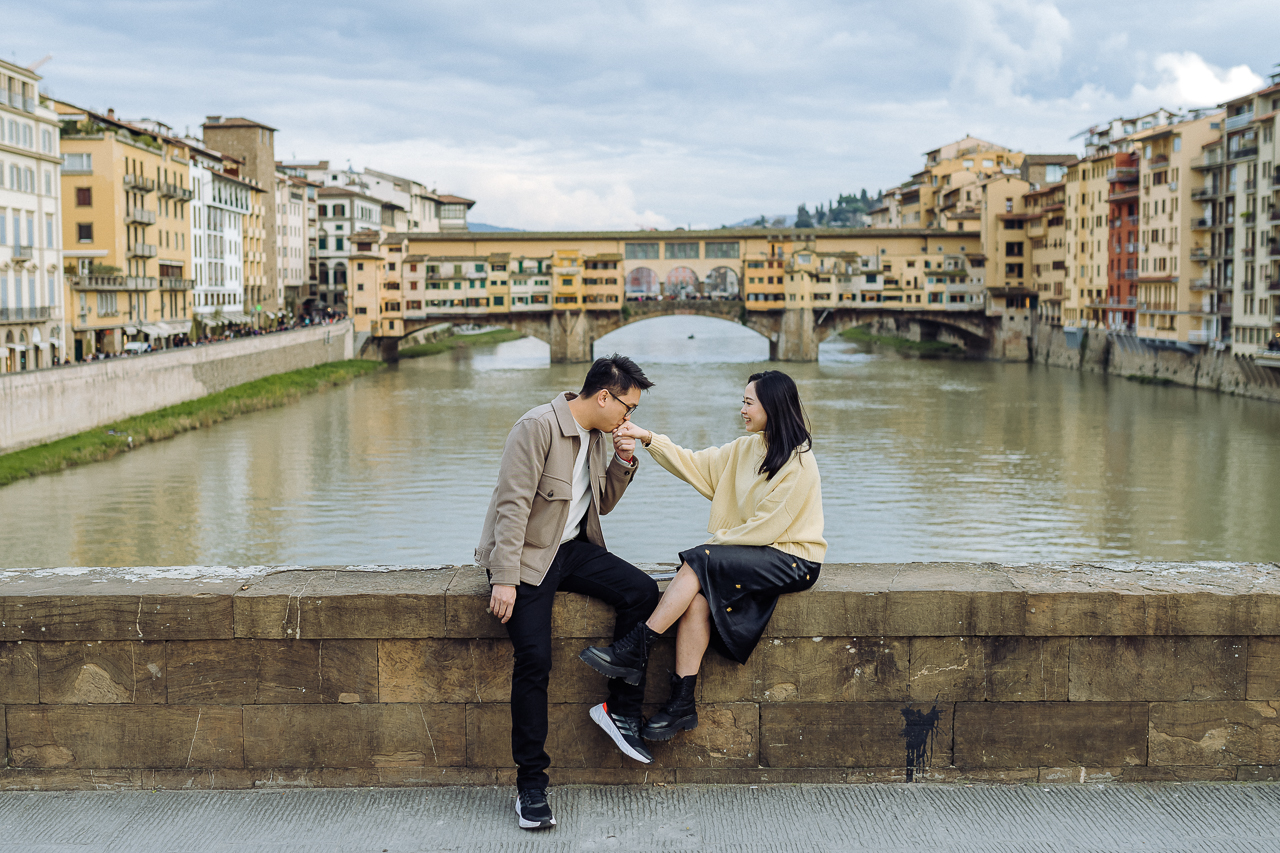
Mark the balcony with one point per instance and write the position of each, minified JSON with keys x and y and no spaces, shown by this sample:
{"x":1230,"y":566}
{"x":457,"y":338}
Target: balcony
{"x":16,"y":315}
{"x":1271,"y":285}
{"x":1210,"y":161}
{"x":111,"y":282}
{"x":1123,"y":174}
{"x":1205,"y":192}
{"x":21,"y":253}
{"x":169,"y":283}
{"x":1200,"y":255}
{"x":1274,"y":251}
{"x":142,"y":250}
{"x":1243,"y":153}
{"x":1129,"y":274}
{"x":139,"y":216}
{"x":1239,"y":120}
{"x":1130,"y":248}
{"x":1248,"y":251}
{"x":1202,"y":283}
{"x":175,"y":191}
{"x":1199,"y":336}
{"x":138,"y":184}
{"x":1124,"y":194}
{"x":1201,"y":224}
{"x":1250,"y":185}
{"x":1274,"y":216}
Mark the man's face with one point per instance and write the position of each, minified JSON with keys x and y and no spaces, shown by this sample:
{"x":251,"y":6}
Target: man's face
{"x":616,"y":409}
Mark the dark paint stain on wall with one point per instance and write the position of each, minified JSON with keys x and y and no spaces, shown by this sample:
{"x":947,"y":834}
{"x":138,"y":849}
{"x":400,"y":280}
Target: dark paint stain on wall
{"x":919,"y":734}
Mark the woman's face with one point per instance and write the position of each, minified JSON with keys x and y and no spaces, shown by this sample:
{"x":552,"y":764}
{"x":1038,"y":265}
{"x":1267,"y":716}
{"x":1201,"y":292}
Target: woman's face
{"x":753,"y":416}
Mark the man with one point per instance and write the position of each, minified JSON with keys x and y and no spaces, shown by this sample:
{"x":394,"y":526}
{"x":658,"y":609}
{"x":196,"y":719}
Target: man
{"x":542,"y":533}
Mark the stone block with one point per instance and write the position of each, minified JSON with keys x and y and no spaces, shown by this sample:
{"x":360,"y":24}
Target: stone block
{"x":102,"y":673}
{"x":947,"y":612}
{"x":1263,"y":669}
{"x":4,"y":739}
{"x":1255,"y":773}
{"x":831,"y":669}
{"x":1072,"y":613}
{"x":830,"y":608}
{"x":80,"y":737}
{"x":317,"y":604}
{"x":19,"y":674}
{"x":1157,"y":668}
{"x":467,"y":607}
{"x":40,"y":779}
{"x":444,"y":670}
{"x":727,"y":736}
{"x":201,"y":780}
{"x":1176,"y":774}
{"x":761,"y":775}
{"x":1001,"y":669}
{"x":1050,"y":734}
{"x":633,"y":774}
{"x":1026,"y":669}
{"x":855,"y":734}
{"x":397,"y":777}
{"x":383,"y":735}
{"x":67,"y":607}
{"x":724,"y":680}
{"x":1215,"y":733}
{"x":248,"y":672}
{"x":1208,"y":614}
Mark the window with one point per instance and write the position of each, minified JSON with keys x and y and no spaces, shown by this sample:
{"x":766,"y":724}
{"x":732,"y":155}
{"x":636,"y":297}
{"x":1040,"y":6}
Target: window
{"x":81,"y":164}
{"x":1013,"y":270}
{"x":641,"y":251}
{"x":324,"y":242}
{"x":988,"y":163}
{"x":84,"y":197}
{"x":339,"y":210}
{"x":362,"y":310}
{"x":722,"y":250}
{"x":360,"y":266}
{"x":497,"y":300}
{"x":324,"y":209}
{"x":337,"y":243}
{"x":84,"y":232}
{"x":682,"y":251}
{"x":453,"y":211}
{"x":1013,"y":249}
{"x":968,"y":164}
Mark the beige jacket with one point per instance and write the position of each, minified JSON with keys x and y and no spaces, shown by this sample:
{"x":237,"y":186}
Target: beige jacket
{"x":530,"y":504}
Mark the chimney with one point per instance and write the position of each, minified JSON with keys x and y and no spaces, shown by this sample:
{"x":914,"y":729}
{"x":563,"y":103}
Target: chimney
{"x":213,"y":119}
{"x":111,"y":112}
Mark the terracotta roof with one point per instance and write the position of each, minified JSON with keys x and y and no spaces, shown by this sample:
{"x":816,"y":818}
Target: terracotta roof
{"x":234,"y":121}
{"x":456,"y":199}
{"x":1064,"y":159}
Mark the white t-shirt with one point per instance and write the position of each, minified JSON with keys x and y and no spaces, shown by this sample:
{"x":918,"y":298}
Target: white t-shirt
{"x":581,"y":494}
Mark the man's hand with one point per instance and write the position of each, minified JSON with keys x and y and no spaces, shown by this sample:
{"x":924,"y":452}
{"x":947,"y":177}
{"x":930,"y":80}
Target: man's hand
{"x":624,"y":438}
{"x":502,"y":600}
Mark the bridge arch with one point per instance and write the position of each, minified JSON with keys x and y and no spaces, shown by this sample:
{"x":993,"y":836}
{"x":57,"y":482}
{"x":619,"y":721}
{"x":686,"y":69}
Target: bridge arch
{"x":723,"y":283}
{"x":642,"y":282}
{"x":682,"y":282}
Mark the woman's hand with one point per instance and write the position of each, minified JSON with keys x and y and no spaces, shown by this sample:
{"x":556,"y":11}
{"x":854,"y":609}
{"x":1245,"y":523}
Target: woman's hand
{"x":631,"y":431}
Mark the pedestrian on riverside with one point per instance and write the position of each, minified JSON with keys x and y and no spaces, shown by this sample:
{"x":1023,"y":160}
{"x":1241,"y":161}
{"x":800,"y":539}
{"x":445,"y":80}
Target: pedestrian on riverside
{"x":559,"y":473}
{"x":766,"y":540}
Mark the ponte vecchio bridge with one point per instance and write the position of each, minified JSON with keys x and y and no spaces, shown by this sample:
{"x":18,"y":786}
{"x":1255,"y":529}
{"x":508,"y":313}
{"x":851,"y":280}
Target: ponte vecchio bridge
{"x":796,"y":287}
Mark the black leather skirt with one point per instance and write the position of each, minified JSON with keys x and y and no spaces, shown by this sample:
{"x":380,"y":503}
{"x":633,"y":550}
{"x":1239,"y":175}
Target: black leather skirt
{"x":742,"y":584}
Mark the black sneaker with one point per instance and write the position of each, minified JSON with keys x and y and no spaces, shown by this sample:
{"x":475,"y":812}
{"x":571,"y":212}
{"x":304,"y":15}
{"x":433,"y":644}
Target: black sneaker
{"x":625,"y":732}
{"x":533,"y":809}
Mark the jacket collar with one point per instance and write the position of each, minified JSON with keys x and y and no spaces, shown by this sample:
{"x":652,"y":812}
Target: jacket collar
{"x":564,"y":417}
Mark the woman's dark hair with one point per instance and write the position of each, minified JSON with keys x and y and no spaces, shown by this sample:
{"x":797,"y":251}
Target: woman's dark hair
{"x":784,"y":426}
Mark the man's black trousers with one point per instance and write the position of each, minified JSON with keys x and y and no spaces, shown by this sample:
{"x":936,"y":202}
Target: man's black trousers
{"x":583,"y":567}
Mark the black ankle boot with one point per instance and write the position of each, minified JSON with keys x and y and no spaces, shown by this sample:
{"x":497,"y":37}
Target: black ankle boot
{"x":626,"y":658}
{"x":678,"y":715}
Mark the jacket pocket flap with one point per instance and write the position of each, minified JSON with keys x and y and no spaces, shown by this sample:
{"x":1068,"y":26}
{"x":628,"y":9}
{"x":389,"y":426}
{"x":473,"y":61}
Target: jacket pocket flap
{"x":554,"y":489}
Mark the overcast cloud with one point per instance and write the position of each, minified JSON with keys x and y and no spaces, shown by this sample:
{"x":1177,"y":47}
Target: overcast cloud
{"x":564,"y":114}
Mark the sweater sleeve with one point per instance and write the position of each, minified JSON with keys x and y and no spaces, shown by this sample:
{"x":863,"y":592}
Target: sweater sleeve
{"x":699,"y":468}
{"x":772,"y":516}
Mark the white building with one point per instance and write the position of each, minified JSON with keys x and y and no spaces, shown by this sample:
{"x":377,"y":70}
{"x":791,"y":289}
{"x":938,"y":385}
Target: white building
{"x":217,"y":250}
{"x":295,"y":199}
{"x":31,"y":322}
{"x":426,"y":210}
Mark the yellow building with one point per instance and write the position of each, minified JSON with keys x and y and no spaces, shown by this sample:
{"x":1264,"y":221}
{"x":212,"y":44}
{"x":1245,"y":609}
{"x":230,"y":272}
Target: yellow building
{"x":1046,"y":233}
{"x":1088,"y":233}
{"x":1006,"y":247}
{"x":126,"y":230}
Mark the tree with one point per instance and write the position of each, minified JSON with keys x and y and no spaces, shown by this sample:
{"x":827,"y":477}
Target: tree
{"x":803,"y":219}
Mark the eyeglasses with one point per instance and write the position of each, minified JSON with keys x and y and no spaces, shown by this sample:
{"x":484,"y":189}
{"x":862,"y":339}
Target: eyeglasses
{"x":630,"y":409}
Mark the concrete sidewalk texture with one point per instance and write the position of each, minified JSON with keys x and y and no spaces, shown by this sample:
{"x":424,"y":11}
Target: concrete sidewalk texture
{"x":1115,"y":818}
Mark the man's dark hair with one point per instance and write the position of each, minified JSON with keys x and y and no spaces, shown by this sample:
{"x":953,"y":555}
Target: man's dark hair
{"x":617,"y":373}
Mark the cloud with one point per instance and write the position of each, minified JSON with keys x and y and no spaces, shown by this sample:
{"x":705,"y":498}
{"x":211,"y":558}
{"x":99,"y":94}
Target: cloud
{"x":1187,"y":80}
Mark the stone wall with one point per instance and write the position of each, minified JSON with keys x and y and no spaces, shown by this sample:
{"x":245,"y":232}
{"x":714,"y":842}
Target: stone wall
{"x":1124,"y":355}
{"x":44,"y":405}
{"x":201,"y":678}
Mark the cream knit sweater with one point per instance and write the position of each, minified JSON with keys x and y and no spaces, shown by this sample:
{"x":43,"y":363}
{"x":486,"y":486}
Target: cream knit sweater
{"x":747,"y":509}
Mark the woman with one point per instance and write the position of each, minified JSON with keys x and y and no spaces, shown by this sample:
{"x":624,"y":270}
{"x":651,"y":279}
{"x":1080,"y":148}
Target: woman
{"x":766,"y":540}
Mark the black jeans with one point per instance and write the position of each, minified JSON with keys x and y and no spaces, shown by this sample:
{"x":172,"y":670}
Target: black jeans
{"x":579,"y":566}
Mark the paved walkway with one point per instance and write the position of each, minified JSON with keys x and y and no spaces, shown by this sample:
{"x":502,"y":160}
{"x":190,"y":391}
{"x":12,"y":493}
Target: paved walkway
{"x":1241,"y":818}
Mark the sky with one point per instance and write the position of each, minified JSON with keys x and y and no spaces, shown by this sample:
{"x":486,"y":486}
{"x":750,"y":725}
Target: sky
{"x":571,"y":114}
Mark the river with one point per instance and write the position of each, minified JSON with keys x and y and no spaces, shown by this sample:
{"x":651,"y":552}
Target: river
{"x":920,"y":460}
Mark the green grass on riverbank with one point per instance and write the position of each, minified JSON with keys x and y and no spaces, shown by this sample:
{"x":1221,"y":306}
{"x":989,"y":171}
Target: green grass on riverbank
{"x":923,"y":349}
{"x":97,"y":445}
{"x":452,"y":342}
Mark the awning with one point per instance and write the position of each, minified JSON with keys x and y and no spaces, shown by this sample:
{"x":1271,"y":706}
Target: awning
{"x":155,"y":330}
{"x":131,"y":330}
{"x":236,"y":317}
{"x":178,"y":327}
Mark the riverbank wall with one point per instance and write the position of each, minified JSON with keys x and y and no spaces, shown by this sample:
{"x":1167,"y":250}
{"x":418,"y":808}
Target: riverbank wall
{"x":1098,"y":351}
{"x":45,"y":405}
{"x":366,"y":676}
